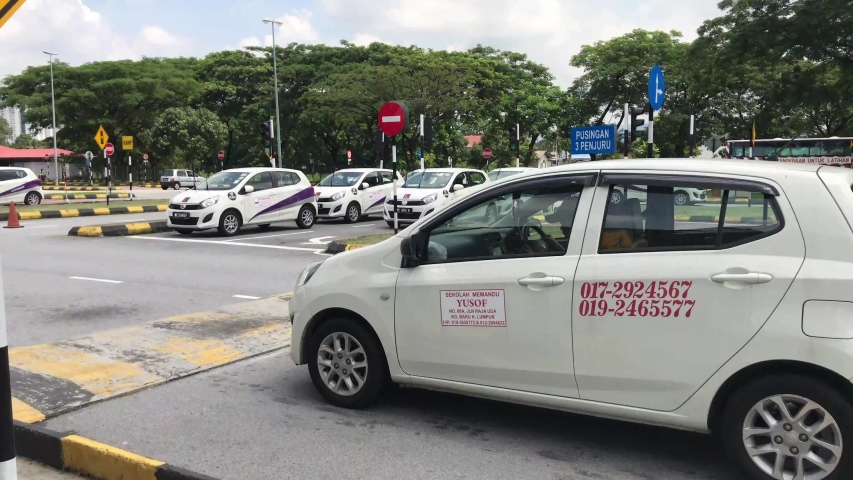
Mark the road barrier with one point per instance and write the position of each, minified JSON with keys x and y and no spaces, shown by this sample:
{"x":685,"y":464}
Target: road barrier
{"x":85,"y":212}
{"x":124,"y":229}
{"x":86,"y":196}
{"x":336,"y":247}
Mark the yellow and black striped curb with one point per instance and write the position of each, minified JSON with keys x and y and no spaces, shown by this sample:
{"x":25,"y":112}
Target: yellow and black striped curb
{"x":120,"y":230}
{"x":337,"y":247}
{"x":51,"y":379}
{"x":85,"y":196}
{"x":81,"y":189}
{"x":85,"y":212}
{"x":74,"y":453}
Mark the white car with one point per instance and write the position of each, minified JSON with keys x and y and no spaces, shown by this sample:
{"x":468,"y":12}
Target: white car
{"x":635,"y":312}
{"x":501,"y":173}
{"x":19,"y":185}
{"x":425,"y":191}
{"x":684,"y":196}
{"x":177,"y":178}
{"x":354,"y":193}
{"x":244,"y":196}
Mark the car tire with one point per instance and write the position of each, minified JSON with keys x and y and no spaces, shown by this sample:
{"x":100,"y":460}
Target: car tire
{"x":32,"y":198}
{"x":616,"y":197}
{"x":184,"y":231}
{"x":229,"y":223}
{"x":264,"y":226}
{"x":390,"y":224}
{"x":365,"y":382}
{"x":353,"y":213}
{"x":762,"y":398}
{"x":681,"y":198}
{"x":164,"y":187}
{"x":177,"y":185}
{"x":306,"y":217}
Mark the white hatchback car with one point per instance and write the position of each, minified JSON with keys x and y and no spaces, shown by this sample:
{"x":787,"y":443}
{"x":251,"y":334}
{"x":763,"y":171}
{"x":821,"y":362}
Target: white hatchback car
{"x":19,"y":185}
{"x":354,"y":193}
{"x":633,"y":310}
{"x":425,"y":191}
{"x":501,"y":173}
{"x":244,"y":196}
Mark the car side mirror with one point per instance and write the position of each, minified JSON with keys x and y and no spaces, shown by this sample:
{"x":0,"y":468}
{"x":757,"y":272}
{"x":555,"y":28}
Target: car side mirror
{"x":457,"y":187}
{"x":410,"y":249}
{"x":365,"y":186}
{"x":248,"y":189}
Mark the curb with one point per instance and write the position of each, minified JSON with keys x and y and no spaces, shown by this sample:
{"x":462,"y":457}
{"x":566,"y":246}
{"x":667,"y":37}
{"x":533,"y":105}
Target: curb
{"x":85,"y":196}
{"x":65,"y":451}
{"x":85,"y":212}
{"x":121,"y":230}
{"x":80,"y":189}
{"x":335,"y":247}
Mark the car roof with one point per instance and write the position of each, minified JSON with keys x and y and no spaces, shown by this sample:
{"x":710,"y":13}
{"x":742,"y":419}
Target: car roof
{"x":448,"y":170}
{"x":513,"y":169}
{"x":363,"y":170}
{"x":258,"y":169}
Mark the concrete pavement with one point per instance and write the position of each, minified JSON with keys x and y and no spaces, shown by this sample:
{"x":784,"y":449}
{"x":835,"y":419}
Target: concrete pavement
{"x":29,"y":470}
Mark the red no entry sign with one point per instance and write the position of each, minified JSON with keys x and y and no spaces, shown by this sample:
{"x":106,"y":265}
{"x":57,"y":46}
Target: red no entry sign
{"x":349,"y":154}
{"x":109,"y":149}
{"x":393,"y":118}
{"x":144,"y":157}
{"x":487,"y":153}
{"x":221,"y":155}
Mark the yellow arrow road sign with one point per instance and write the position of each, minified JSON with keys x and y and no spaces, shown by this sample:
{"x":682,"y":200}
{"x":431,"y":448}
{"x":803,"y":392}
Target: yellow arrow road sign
{"x":101,"y":138}
{"x":8,"y":8}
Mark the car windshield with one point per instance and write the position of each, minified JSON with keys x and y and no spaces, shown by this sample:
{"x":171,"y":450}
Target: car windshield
{"x":499,"y":174}
{"x":341,"y":179}
{"x":428,"y":180}
{"x":222,"y":181}
{"x":167,"y":173}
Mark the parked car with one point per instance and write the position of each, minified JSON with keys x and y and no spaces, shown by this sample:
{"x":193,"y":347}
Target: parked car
{"x":425,"y":191}
{"x":177,"y":178}
{"x":19,"y":185}
{"x":354,"y":193}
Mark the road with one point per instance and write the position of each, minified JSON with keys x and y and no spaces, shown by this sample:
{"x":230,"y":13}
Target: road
{"x":159,"y":275}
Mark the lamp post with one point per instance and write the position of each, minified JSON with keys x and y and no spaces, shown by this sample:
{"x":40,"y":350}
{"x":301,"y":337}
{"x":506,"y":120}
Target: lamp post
{"x":53,"y":103}
{"x":272,"y":24}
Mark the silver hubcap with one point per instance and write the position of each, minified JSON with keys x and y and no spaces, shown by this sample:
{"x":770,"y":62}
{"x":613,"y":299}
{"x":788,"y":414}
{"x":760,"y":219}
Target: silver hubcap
{"x":680,"y":199}
{"x":307,"y":217}
{"x":32,"y":199}
{"x":342,"y":364}
{"x":615,"y":197}
{"x":231,"y":223}
{"x":353,"y":213}
{"x":792,"y":438}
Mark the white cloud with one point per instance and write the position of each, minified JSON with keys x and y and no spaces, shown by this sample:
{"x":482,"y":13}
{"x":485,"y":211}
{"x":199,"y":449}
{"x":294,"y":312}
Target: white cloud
{"x":548,"y":31}
{"x":77,"y":34}
{"x":364,"y":39}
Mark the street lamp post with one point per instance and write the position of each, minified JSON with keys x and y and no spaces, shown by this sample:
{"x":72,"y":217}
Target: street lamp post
{"x":273,"y":23}
{"x":53,"y":103}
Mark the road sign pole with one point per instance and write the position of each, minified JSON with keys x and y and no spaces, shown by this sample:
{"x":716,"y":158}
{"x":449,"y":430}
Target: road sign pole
{"x":423,"y":144}
{"x":394,"y":176}
{"x":692,"y":139}
{"x":628,"y":127}
{"x":130,"y":175}
{"x":8,"y":468}
{"x":651,"y":152}
{"x":109,"y":179}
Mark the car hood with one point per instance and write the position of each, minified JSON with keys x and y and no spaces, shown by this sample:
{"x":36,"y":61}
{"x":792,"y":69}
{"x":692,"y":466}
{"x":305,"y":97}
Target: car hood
{"x":413,"y":194}
{"x":326,"y":192}
{"x":193,"y":196}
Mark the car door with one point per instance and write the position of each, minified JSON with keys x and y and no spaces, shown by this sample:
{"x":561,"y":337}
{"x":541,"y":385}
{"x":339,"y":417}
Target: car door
{"x":490,"y":304}
{"x":286,"y":194}
{"x":373,"y":197}
{"x":665,"y":294}
{"x":260,"y":204}
{"x":9,"y":182}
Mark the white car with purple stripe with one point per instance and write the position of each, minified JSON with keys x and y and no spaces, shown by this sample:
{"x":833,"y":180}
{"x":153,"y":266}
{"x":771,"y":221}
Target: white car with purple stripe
{"x":354,"y":193}
{"x":19,"y":185}
{"x":244,"y":196}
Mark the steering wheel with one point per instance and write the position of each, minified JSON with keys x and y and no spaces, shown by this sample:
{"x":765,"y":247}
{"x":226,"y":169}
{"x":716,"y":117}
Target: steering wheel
{"x":546,"y":243}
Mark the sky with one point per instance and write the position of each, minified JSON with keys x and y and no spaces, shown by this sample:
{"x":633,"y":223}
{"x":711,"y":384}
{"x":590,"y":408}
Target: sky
{"x":548,"y":31}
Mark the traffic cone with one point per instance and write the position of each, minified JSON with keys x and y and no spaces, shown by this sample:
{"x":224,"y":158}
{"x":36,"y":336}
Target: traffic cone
{"x":13,"y":218}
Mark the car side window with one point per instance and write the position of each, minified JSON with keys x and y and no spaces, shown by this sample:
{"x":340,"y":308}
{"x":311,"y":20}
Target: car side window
{"x":21,"y":173}
{"x":372,"y":179}
{"x":528,"y":222}
{"x":295,"y":178}
{"x":283,"y":178}
{"x":477,"y":178}
{"x":387,"y":177}
{"x":677,"y":216}
{"x":7,"y":175}
{"x":461,"y":179}
{"x":261,"y":181}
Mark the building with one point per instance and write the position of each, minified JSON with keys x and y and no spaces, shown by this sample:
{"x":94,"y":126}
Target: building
{"x":14,"y":116}
{"x":38,"y":160}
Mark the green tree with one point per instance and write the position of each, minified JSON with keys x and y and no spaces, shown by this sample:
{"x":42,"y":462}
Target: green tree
{"x":190,"y":137}
{"x":5,"y":132}
{"x":25,"y":140}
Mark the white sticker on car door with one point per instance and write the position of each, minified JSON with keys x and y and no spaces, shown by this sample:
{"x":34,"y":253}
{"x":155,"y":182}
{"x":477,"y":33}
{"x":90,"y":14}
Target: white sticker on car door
{"x":263,"y":202}
{"x":473,"y":308}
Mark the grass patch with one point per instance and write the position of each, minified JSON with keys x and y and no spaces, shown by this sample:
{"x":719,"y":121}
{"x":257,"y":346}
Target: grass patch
{"x":365,"y":241}
{"x":731,"y":212}
{"x":76,"y":206}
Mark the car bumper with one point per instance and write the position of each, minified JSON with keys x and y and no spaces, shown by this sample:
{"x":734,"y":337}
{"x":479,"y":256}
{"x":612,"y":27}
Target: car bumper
{"x":331,"y":209}
{"x":417,"y":212}
{"x":197,"y":219}
{"x":299,"y":316}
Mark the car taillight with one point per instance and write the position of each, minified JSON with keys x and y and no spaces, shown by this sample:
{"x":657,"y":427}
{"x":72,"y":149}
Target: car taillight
{"x":172,"y":179}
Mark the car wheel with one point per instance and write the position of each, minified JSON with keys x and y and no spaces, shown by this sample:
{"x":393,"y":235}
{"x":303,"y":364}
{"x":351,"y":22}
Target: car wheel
{"x":264,"y":226}
{"x":177,"y":185}
{"x":164,"y":187}
{"x":32,"y":198}
{"x":616,"y":197}
{"x":491,"y":214}
{"x":353,"y":213}
{"x":305,"y":218}
{"x":789,"y":426}
{"x":183,"y":231}
{"x":346,"y":364}
{"x":390,"y":224}
{"x":229,"y":223}
{"x":682,"y":197}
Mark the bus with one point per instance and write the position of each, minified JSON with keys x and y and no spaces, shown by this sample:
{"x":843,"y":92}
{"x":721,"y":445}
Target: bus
{"x":824,"y":151}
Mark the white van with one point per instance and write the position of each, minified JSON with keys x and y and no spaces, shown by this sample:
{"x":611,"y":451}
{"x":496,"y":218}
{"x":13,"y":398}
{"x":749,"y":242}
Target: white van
{"x":244,"y":196}
{"x":354,"y":193}
{"x":19,"y":185}
{"x":425,"y":191}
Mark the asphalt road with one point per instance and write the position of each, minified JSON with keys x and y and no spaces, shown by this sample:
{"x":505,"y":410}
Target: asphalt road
{"x":158,"y":275}
{"x":263,"y":419}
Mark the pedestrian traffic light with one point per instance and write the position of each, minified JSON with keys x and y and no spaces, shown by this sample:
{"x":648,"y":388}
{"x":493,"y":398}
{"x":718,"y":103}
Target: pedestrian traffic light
{"x":267,"y":134}
{"x":636,"y":123}
{"x":513,"y":139}
{"x":429,"y":133}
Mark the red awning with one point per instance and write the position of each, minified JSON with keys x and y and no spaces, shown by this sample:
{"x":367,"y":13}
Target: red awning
{"x":31,"y":154}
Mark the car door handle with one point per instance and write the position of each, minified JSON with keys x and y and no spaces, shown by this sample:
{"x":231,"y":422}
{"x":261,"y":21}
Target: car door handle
{"x":541,"y":281}
{"x":748,"y":278}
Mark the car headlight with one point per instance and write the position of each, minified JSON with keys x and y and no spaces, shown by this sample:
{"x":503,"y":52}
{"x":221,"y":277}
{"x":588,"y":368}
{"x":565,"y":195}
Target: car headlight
{"x":306,"y":274}
{"x":430,"y":199}
{"x":210,"y":202}
{"x":338,"y":195}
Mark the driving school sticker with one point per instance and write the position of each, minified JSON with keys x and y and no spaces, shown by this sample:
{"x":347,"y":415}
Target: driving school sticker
{"x":263,"y":202}
{"x":473,"y":308}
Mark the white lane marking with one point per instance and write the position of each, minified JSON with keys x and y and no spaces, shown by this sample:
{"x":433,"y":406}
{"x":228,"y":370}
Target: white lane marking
{"x":319,"y":240}
{"x":43,"y":226}
{"x":215,"y":242}
{"x":269,"y":236}
{"x":362,"y":226}
{"x":103,"y":280}
{"x":246,"y":297}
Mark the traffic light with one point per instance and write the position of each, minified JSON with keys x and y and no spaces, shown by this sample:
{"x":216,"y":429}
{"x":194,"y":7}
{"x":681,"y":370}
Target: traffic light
{"x":267,"y":134}
{"x":636,"y":123}
{"x":378,"y":143}
{"x":429,"y":133}
{"x":513,"y":139}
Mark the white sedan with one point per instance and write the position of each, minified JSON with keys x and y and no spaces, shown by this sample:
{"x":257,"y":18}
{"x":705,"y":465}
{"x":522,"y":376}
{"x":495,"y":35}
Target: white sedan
{"x":622,"y":310}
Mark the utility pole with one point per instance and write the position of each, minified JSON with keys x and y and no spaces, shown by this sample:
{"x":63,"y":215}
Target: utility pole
{"x":273,"y":23}
{"x":651,"y":153}
{"x":53,"y":104}
{"x":423,"y":144}
{"x":692,"y":138}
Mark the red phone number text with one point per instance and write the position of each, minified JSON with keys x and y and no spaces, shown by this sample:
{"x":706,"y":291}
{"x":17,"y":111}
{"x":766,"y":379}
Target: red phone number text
{"x":636,"y":308}
{"x":678,"y":289}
